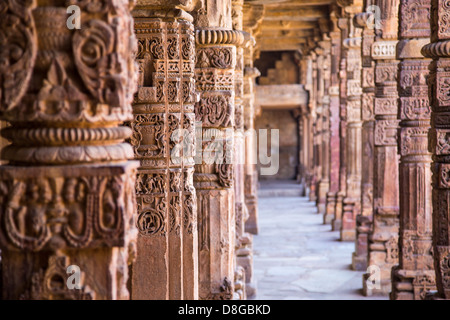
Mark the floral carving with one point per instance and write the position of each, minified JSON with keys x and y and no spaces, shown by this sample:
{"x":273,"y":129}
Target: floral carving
{"x":99,"y":65}
{"x":214,"y":111}
{"x":79,"y":213}
{"x":18,"y":49}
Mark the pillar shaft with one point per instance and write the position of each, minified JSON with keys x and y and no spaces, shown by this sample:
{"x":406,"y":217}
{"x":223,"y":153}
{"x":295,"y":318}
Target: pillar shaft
{"x":324,"y":143}
{"x":67,"y":192}
{"x":333,"y":92}
{"x":352,"y":200}
{"x":163,"y":138}
{"x":214,"y":171}
{"x":337,"y":221}
{"x":365,"y":217}
{"x":415,"y":274}
{"x":383,"y":239}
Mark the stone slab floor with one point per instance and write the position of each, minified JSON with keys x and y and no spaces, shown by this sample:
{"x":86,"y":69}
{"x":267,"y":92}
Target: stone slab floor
{"x":297,"y":257}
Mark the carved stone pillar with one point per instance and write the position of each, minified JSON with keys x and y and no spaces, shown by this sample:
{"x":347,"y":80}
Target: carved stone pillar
{"x":163,"y":138}
{"x":306,"y":136}
{"x":333,"y":92}
{"x":251,"y":174}
{"x":315,"y":126}
{"x":352,"y":200}
{"x":439,"y":145}
{"x":253,"y":15}
{"x":213,"y":178}
{"x":244,"y":256}
{"x":67,"y":192}
{"x":308,"y":128}
{"x":324,"y":142}
{"x":337,"y":221}
{"x":364,"y":219}
{"x":383,"y":238}
{"x":415,"y":274}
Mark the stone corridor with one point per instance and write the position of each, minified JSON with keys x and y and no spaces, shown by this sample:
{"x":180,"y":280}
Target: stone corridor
{"x":297,"y":257}
{"x":134,"y":135}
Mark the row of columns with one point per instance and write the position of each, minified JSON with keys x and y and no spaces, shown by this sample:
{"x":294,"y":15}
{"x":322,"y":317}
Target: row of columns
{"x":153,"y":209}
{"x":387,"y":150}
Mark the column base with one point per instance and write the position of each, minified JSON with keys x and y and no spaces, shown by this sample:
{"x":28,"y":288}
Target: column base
{"x":359,"y":263}
{"x":337,"y":221}
{"x":330,"y":208}
{"x":336,"y":225}
{"x":348,"y":229}
{"x":250,"y":288}
{"x":81,"y":218}
{"x":360,"y":257}
{"x":383,"y":290}
{"x":348,"y":235}
{"x":322,"y":196}
{"x":251,"y":225}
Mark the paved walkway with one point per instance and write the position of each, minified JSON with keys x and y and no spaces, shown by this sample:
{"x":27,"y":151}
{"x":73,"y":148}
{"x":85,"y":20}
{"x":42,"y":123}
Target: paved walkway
{"x":296,"y":256}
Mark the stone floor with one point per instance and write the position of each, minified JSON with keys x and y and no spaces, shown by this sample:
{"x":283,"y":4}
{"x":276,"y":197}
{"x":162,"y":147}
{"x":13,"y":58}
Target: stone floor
{"x":297,"y":257}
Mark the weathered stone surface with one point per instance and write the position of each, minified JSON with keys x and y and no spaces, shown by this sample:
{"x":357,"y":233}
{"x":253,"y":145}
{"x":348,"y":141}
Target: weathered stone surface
{"x":68,"y":188}
{"x":346,"y":82}
{"x":365,"y":216}
{"x":352,"y":201}
{"x":415,"y":274}
{"x":333,"y":91}
{"x":438,"y":142}
{"x":383,"y":238}
{"x":163,"y":112}
{"x":214,"y":176}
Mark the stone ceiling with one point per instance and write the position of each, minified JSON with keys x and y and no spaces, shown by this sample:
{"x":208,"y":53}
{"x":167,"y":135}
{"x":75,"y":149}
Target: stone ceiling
{"x":289,"y":25}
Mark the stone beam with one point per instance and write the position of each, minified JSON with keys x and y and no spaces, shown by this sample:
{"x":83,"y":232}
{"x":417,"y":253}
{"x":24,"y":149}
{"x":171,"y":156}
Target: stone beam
{"x":277,"y":35}
{"x":274,"y":25}
{"x":295,"y":13}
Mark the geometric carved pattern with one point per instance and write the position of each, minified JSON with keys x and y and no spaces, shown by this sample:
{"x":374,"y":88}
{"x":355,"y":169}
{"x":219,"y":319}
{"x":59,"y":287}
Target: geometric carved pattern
{"x":163,"y":141}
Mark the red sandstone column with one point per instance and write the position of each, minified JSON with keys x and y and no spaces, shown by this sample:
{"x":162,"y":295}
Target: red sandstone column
{"x":439,"y":51}
{"x":244,"y":256}
{"x":324,"y":142}
{"x":337,"y":221}
{"x":415,"y":274}
{"x":333,"y":92}
{"x":253,"y":15}
{"x":352,"y":200}
{"x":383,"y":238}
{"x":315,"y":127}
{"x":364,"y":219}
{"x":67,"y":192}
{"x":163,"y":138}
{"x":213,"y":178}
